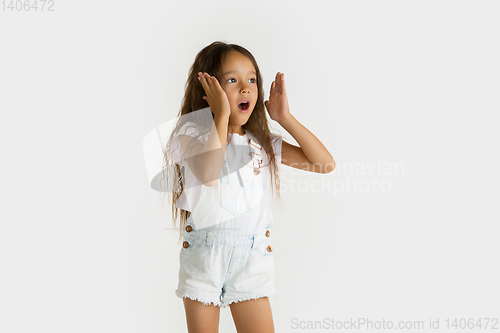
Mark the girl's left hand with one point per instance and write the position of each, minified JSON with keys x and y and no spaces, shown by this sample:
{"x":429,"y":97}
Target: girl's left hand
{"x":277,"y":105}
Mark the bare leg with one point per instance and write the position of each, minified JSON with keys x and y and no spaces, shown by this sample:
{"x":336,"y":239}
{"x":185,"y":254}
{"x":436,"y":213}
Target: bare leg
{"x":201,"y":318}
{"x":253,"y":316}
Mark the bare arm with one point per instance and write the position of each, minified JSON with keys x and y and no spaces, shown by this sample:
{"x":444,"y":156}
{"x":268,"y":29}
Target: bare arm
{"x":311,"y":155}
{"x":205,"y":160}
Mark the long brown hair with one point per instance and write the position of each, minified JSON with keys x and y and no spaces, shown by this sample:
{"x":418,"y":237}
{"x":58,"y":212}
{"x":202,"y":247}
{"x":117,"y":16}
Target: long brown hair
{"x":210,"y":59}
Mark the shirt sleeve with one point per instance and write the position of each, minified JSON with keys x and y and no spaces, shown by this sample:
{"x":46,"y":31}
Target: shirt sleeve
{"x":175,"y":149}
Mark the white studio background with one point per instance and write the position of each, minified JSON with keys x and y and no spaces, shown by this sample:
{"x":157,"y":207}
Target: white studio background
{"x":403,"y":92}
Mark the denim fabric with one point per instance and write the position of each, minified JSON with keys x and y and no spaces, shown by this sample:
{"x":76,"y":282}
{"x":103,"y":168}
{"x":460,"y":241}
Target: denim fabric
{"x":220,"y":267}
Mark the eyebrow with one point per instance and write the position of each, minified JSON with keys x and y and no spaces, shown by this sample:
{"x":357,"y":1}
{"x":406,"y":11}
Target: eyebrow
{"x":235,"y":72}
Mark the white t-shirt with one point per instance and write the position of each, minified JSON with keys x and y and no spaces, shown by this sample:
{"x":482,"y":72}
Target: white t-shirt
{"x":259,"y":216}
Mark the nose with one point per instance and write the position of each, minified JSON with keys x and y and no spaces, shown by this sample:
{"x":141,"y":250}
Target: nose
{"x":245,"y":87}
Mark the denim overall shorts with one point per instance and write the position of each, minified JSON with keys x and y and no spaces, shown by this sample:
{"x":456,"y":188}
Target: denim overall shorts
{"x":223,"y":267}
{"x":220,"y":266}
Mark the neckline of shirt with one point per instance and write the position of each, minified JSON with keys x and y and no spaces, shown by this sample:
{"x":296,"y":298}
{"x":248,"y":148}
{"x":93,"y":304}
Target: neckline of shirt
{"x":236,"y":135}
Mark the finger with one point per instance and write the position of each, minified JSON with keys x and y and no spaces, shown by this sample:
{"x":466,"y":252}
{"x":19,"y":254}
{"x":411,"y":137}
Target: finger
{"x":215,"y":81}
{"x":272,"y":87}
{"x":201,"y":78}
{"x":281,"y":83}
{"x":211,"y":80}
{"x":218,"y":86}
{"x":283,"y":89}
{"x":205,"y":83}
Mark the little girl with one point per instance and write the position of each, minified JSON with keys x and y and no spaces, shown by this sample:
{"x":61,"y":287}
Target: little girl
{"x":225,"y":162}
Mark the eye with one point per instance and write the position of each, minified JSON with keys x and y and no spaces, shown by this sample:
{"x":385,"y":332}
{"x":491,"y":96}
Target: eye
{"x":254,"y":79}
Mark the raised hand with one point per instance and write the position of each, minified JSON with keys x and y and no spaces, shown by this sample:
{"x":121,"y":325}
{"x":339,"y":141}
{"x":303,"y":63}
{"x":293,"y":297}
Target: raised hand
{"x":277,"y":105}
{"x":216,"y":96}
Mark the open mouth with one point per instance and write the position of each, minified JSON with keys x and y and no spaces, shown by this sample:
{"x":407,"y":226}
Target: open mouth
{"x":244,"y":106}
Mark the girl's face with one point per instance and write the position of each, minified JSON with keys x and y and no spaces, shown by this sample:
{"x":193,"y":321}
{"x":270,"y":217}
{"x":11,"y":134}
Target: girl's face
{"x":239,"y":81}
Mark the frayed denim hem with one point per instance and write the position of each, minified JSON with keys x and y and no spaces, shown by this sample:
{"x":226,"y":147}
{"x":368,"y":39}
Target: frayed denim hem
{"x":224,"y":305}
{"x":194,"y":298}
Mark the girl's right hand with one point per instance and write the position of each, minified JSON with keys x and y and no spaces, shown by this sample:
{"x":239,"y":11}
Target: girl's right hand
{"x":216,"y":96}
